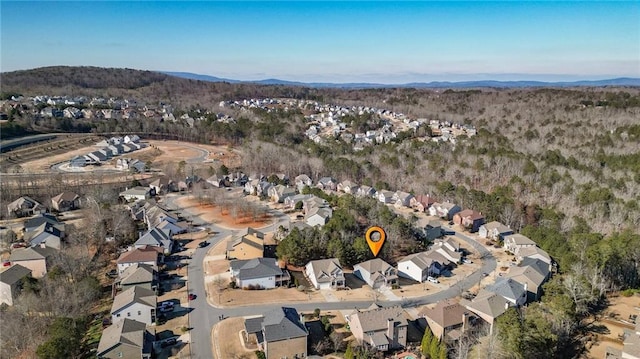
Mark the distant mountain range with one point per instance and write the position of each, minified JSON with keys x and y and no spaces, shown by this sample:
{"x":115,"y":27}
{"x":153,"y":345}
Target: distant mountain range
{"x":622,"y":81}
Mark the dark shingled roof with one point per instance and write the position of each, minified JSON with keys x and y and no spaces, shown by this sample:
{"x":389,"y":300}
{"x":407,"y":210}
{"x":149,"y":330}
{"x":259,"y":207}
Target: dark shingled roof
{"x":256,"y":268}
{"x":283,"y":323}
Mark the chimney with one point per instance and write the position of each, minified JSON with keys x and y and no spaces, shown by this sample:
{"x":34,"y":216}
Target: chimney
{"x":390,"y":328}
{"x":506,"y":305}
{"x":525,"y":287}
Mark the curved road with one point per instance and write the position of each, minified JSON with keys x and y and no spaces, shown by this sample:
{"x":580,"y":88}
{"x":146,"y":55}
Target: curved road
{"x":205,"y":316}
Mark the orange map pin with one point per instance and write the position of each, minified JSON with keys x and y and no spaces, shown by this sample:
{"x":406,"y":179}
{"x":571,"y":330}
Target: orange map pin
{"x":375,"y":239}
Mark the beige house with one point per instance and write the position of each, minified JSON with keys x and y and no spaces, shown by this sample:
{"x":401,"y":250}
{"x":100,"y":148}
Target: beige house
{"x":34,"y":258}
{"x":10,"y":283}
{"x":325,"y":273}
{"x":381,"y":328}
{"x":280,"y":333}
{"x":246,"y":246}
{"x":488,"y":306}
{"x":126,"y":339}
{"x":515,"y":242}
{"x":446,"y":319}
{"x":65,"y":201}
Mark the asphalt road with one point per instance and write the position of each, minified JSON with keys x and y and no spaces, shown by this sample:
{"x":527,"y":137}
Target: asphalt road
{"x":205,"y":316}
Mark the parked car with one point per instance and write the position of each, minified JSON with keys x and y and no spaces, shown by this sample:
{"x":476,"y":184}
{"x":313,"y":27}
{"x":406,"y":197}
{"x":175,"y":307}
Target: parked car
{"x":203,"y":244}
{"x":466,"y":261}
{"x":432,"y":279}
{"x":168,"y":342}
{"x":112,"y":273}
{"x":192,"y":296}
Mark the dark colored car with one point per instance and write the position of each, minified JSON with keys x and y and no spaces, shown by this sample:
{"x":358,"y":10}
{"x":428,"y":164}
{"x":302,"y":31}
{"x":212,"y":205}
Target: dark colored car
{"x":112,"y":273}
{"x":192,"y":296}
{"x":203,"y":244}
{"x":168,"y":342}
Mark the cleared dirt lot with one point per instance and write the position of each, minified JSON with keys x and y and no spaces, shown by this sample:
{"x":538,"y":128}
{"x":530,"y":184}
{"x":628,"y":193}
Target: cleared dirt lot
{"x":226,"y":339}
{"x":219,"y":215}
{"x":615,"y":320}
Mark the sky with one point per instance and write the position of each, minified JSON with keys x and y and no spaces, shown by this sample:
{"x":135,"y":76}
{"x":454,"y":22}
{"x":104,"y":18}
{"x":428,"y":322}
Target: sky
{"x":381,"y":41}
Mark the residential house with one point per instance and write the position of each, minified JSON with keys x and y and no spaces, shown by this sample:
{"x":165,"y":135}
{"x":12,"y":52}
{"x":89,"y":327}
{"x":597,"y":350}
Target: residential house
{"x":11,"y":280}
{"x":251,"y":187}
{"x":65,"y":201}
{"x":135,"y":303}
{"x":494,"y":230}
{"x":79,"y":161}
{"x":318,"y":216}
{"x":218,"y":181}
{"x":262,"y":273}
{"x":419,"y":266}
{"x":401,"y":199}
{"x":249,"y":245}
{"x":292,"y":201}
{"x":45,"y":235}
{"x":381,"y":328}
{"x":449,"y":249}
{"x":263,"y":188}
{"x":146,"y":255}
{"x":327,"y":184}
{"x":510,"y":289}
{"x":446,"y":319}
{"x":515,"y":242}
{"x":25,"y":206}
{"x":156,"y":237}
{"x":630,"y":344}
{"x":376,"y":273}
{"x":131,"y":139}
{"x":444,"y":210}
{"x":532,"y":274}
{"x":137,"y":193}
{"x":384,"y":196}
{"x":433,"y":230}
{"x":279,"y":193}
{"x":163,"y":185}
{"x":36,"y":222}
{"x":365,"y":191}
{"x":126,"y":339}
{"x":302,"y":181}
{"x":469,"y":219}
{"x":36,"y":259}
{"x":534,"y":252}
{"x":422,"y":202}
{"x":141,"y":275}
{"x":312,"y":203}
{"x":325,"y":273}
{"x":347,"y":187}
{"x":488,"y":306}
{"x":280,"y":333}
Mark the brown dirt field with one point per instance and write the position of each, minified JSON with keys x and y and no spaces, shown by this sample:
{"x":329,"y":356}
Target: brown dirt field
{"x":226,"y":340}
{"x":219,"y":216}
{"x":621,"y":307}
{"x":176,"y":151}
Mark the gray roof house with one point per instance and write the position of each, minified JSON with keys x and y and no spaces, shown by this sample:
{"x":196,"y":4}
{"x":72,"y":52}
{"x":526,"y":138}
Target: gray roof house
{"x":376,"y":273}
{"x":494,"y":230}
{"x":510,"y":289}
{"x":365,"y":191}
{"x":381,"y":328}
{"x":37,"y":259}
{"x":10,"y":283}
{"x":258,"y":272}
{"x":532,"y":273}
{"x":65,"y":201}
{"x":488,"y":306}
{"x":136,"y":303}
{"x":138,"y":274}
{"x":156,"y":237}
{"x":36,"y":222}
{"x":325,"y":273}
{"x":126,"y":339}
{"x":318,"y":216}
{"x":327,"y":183}
{"x":280,"y":333}
{"x":137,"y":193}
{"x":46,"y":235}
{"x":402,"y":199}
{"x":301,"y":181}
{"x":25,"y":206}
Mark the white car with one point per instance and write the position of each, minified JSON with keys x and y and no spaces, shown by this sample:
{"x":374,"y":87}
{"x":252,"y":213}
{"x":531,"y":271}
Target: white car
{"x":466,"y":261}
{"x":432,"y":279}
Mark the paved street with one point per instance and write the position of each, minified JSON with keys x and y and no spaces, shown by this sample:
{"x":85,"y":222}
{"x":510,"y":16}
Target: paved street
{"x":204,"y":315}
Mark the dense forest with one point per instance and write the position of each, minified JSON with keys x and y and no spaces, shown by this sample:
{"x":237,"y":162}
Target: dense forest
{"x":561,"y":166}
